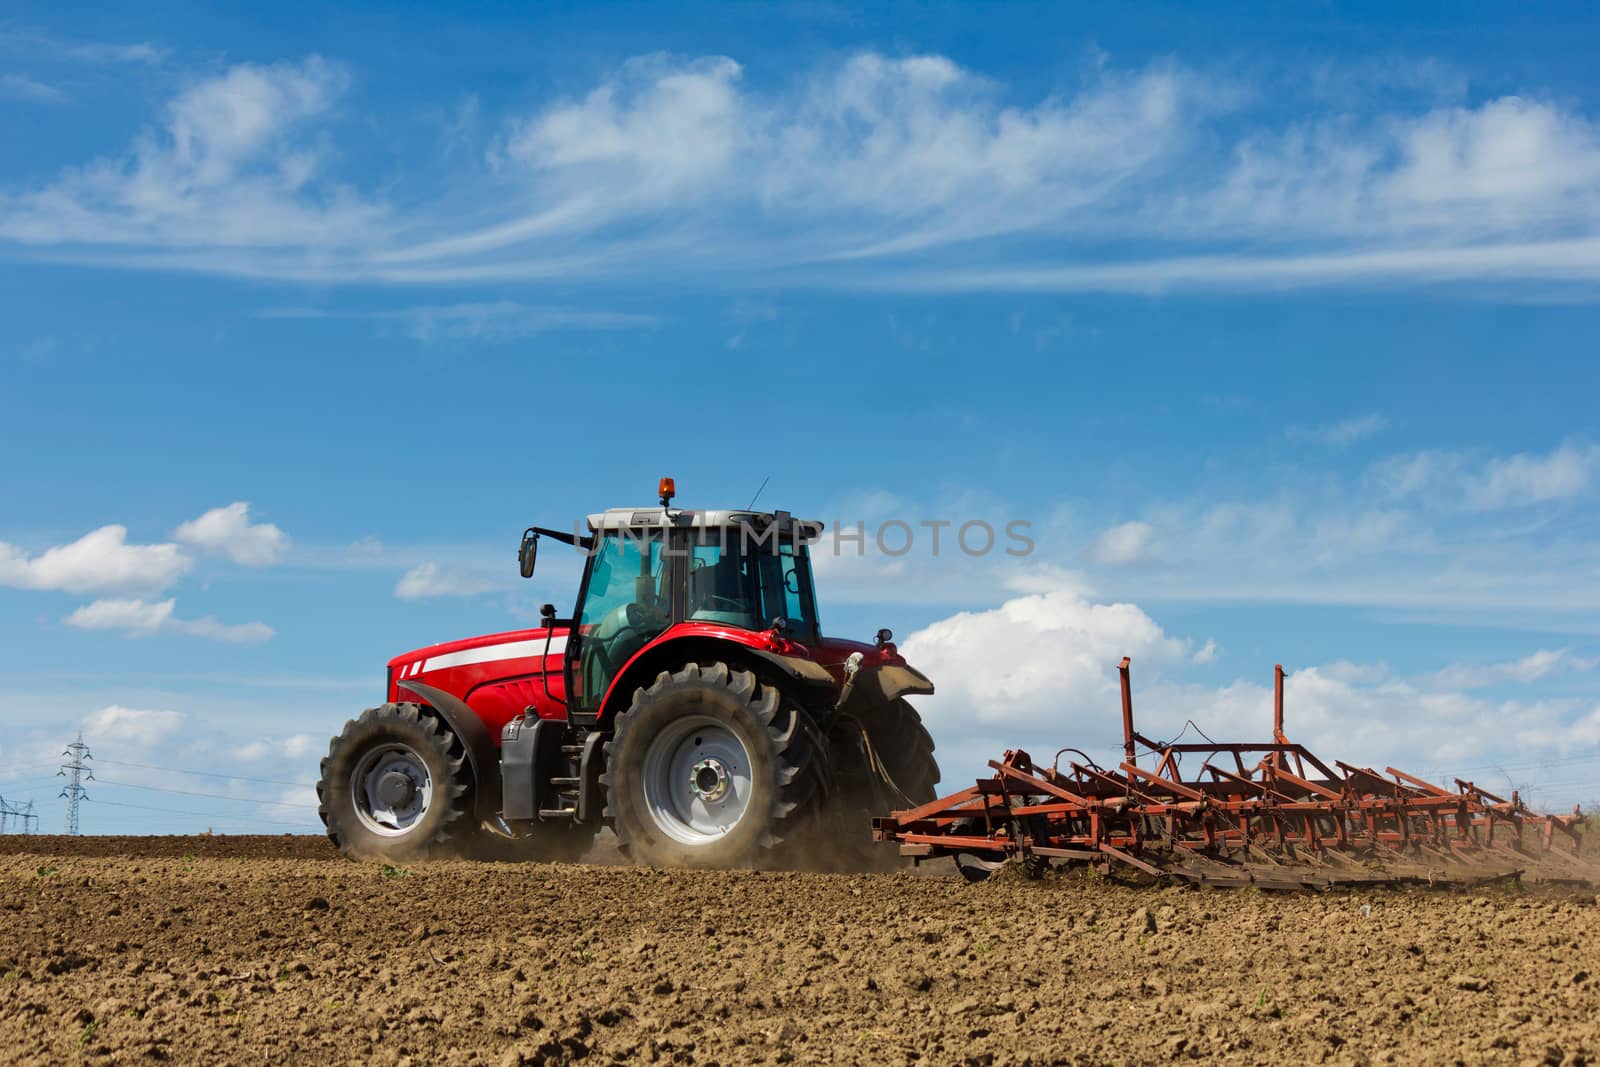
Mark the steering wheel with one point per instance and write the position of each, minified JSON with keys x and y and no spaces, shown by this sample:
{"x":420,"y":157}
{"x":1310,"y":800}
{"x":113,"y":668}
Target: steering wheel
{"x":710,"y":600}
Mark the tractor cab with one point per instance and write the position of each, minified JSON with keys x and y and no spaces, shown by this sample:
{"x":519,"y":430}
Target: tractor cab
{"x":649,"y":569}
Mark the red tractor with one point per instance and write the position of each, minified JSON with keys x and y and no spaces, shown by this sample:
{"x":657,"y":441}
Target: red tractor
{"x":690,"y":703}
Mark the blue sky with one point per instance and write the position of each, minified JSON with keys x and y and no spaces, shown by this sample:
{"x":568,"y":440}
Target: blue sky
{"x":1278,"y":327}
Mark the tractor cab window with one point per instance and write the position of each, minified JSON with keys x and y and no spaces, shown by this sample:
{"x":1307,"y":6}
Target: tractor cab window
{"x":626,"y":603}
{"x":742,"y":583}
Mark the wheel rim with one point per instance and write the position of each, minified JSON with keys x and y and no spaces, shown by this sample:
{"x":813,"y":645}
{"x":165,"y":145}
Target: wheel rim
{"x":391,"y":789}
{"x":696,"y":780}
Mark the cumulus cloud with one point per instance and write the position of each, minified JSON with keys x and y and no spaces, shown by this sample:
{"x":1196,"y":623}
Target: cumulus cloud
{"x":101,"y":561}
{"x":228,"y":530}
{"x":1039,"y":672}
{"x":430,"y":580}
{"x":1040,"y":657}
{"x":139,"y":618}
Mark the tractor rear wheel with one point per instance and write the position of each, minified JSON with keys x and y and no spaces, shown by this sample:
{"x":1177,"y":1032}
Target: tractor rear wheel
{"x":395,"y":785}
{"x":708,"y":768}
{"x":905,"y":749}
{"x":885,"y":742}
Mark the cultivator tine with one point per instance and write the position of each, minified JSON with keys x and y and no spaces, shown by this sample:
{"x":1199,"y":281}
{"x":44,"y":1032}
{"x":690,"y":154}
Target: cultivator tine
{"x":1277,"y":818}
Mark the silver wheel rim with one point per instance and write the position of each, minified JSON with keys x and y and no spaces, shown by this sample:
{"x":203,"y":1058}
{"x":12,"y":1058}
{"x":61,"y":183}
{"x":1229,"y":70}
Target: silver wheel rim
{"x":696,"y":780}
{"x":391,"y":789}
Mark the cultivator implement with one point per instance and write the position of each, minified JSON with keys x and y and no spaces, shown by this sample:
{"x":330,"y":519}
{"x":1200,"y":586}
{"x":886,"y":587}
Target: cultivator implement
{"x":1265,"y":814}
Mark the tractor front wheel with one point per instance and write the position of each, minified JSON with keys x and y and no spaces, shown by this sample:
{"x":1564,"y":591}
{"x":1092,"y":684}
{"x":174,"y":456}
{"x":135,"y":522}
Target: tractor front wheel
{"x":708,"y":768}
{"x":395,"y":785}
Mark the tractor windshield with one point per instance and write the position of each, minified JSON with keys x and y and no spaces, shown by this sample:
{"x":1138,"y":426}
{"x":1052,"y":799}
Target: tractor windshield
{"x":745,"y":583}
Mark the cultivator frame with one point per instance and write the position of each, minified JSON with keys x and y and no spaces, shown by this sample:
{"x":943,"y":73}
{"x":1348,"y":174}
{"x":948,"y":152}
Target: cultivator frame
{"x":1287,"y":820}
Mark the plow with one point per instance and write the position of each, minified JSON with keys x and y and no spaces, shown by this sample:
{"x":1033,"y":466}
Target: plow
{"x":1268,"y":814}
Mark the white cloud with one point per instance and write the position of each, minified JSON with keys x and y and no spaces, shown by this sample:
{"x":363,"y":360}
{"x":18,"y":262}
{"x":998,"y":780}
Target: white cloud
{"x":228,"y":530}
{"x":38,"y":44}
{"x":1342,"y":433}
{"x":1035,"y":658}
{"x":1039,"y":673}
{"x":502,"y":320}
{"x":1529,"y":668}
{"x":294,"y":747}
{"x":1457,"y":479}
{"x":430,"y":580}
{"x":894,"y":172}
{"x":101,"y":561}
{"x":1508,"y":165}
{"x":1128,"y":543}
{"x":139,"y":618}
{"x":1527,"y":478}
{"x":116,"y":726}
{"x":15,"y":86}
{"x":232,"y":166}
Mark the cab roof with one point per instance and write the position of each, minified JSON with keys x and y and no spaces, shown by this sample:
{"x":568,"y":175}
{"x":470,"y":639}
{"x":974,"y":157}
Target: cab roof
{"x":656,"y":517}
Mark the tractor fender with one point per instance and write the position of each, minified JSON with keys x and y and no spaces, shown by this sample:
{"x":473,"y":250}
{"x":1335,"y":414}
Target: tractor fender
{"x":803,"y":671}
{"x":474,"y":738}
{"x":875,"y":687}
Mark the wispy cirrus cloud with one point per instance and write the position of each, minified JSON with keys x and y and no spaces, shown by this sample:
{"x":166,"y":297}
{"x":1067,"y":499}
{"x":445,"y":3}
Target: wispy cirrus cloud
{"x":500,"y":320}
{"x":903,"y":172}
{"x":1342,"y":433}
{"x":1491,"y":483}
{"x":15,"y":86}
{"x":32,"y":43}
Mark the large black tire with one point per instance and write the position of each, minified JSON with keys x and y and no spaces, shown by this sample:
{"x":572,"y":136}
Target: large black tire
{"x":412,"y":742}
{"x":783,"y":774}
{"x":905,"y":748}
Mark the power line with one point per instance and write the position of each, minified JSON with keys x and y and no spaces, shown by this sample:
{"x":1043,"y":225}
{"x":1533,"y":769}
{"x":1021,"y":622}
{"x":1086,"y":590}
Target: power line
{"x":207,"y":774}
{"x":22,"y":811}
{"x":199,"y":814}
{"x":209,"y":796}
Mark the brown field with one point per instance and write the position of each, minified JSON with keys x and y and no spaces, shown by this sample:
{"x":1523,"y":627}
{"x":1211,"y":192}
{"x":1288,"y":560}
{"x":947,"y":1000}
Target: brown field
{"x":272,"y":949}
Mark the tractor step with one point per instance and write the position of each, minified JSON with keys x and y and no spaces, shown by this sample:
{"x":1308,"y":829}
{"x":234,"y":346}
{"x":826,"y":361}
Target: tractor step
{"x":557,"y":813}
{"x":565,"y":783}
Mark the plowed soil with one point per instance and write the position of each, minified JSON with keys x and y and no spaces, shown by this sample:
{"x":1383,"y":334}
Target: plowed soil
{"x":220,"y":949}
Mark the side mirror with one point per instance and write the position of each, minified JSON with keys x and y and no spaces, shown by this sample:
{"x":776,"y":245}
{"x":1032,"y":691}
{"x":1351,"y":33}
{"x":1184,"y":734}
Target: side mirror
{"x":528,"y":553}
